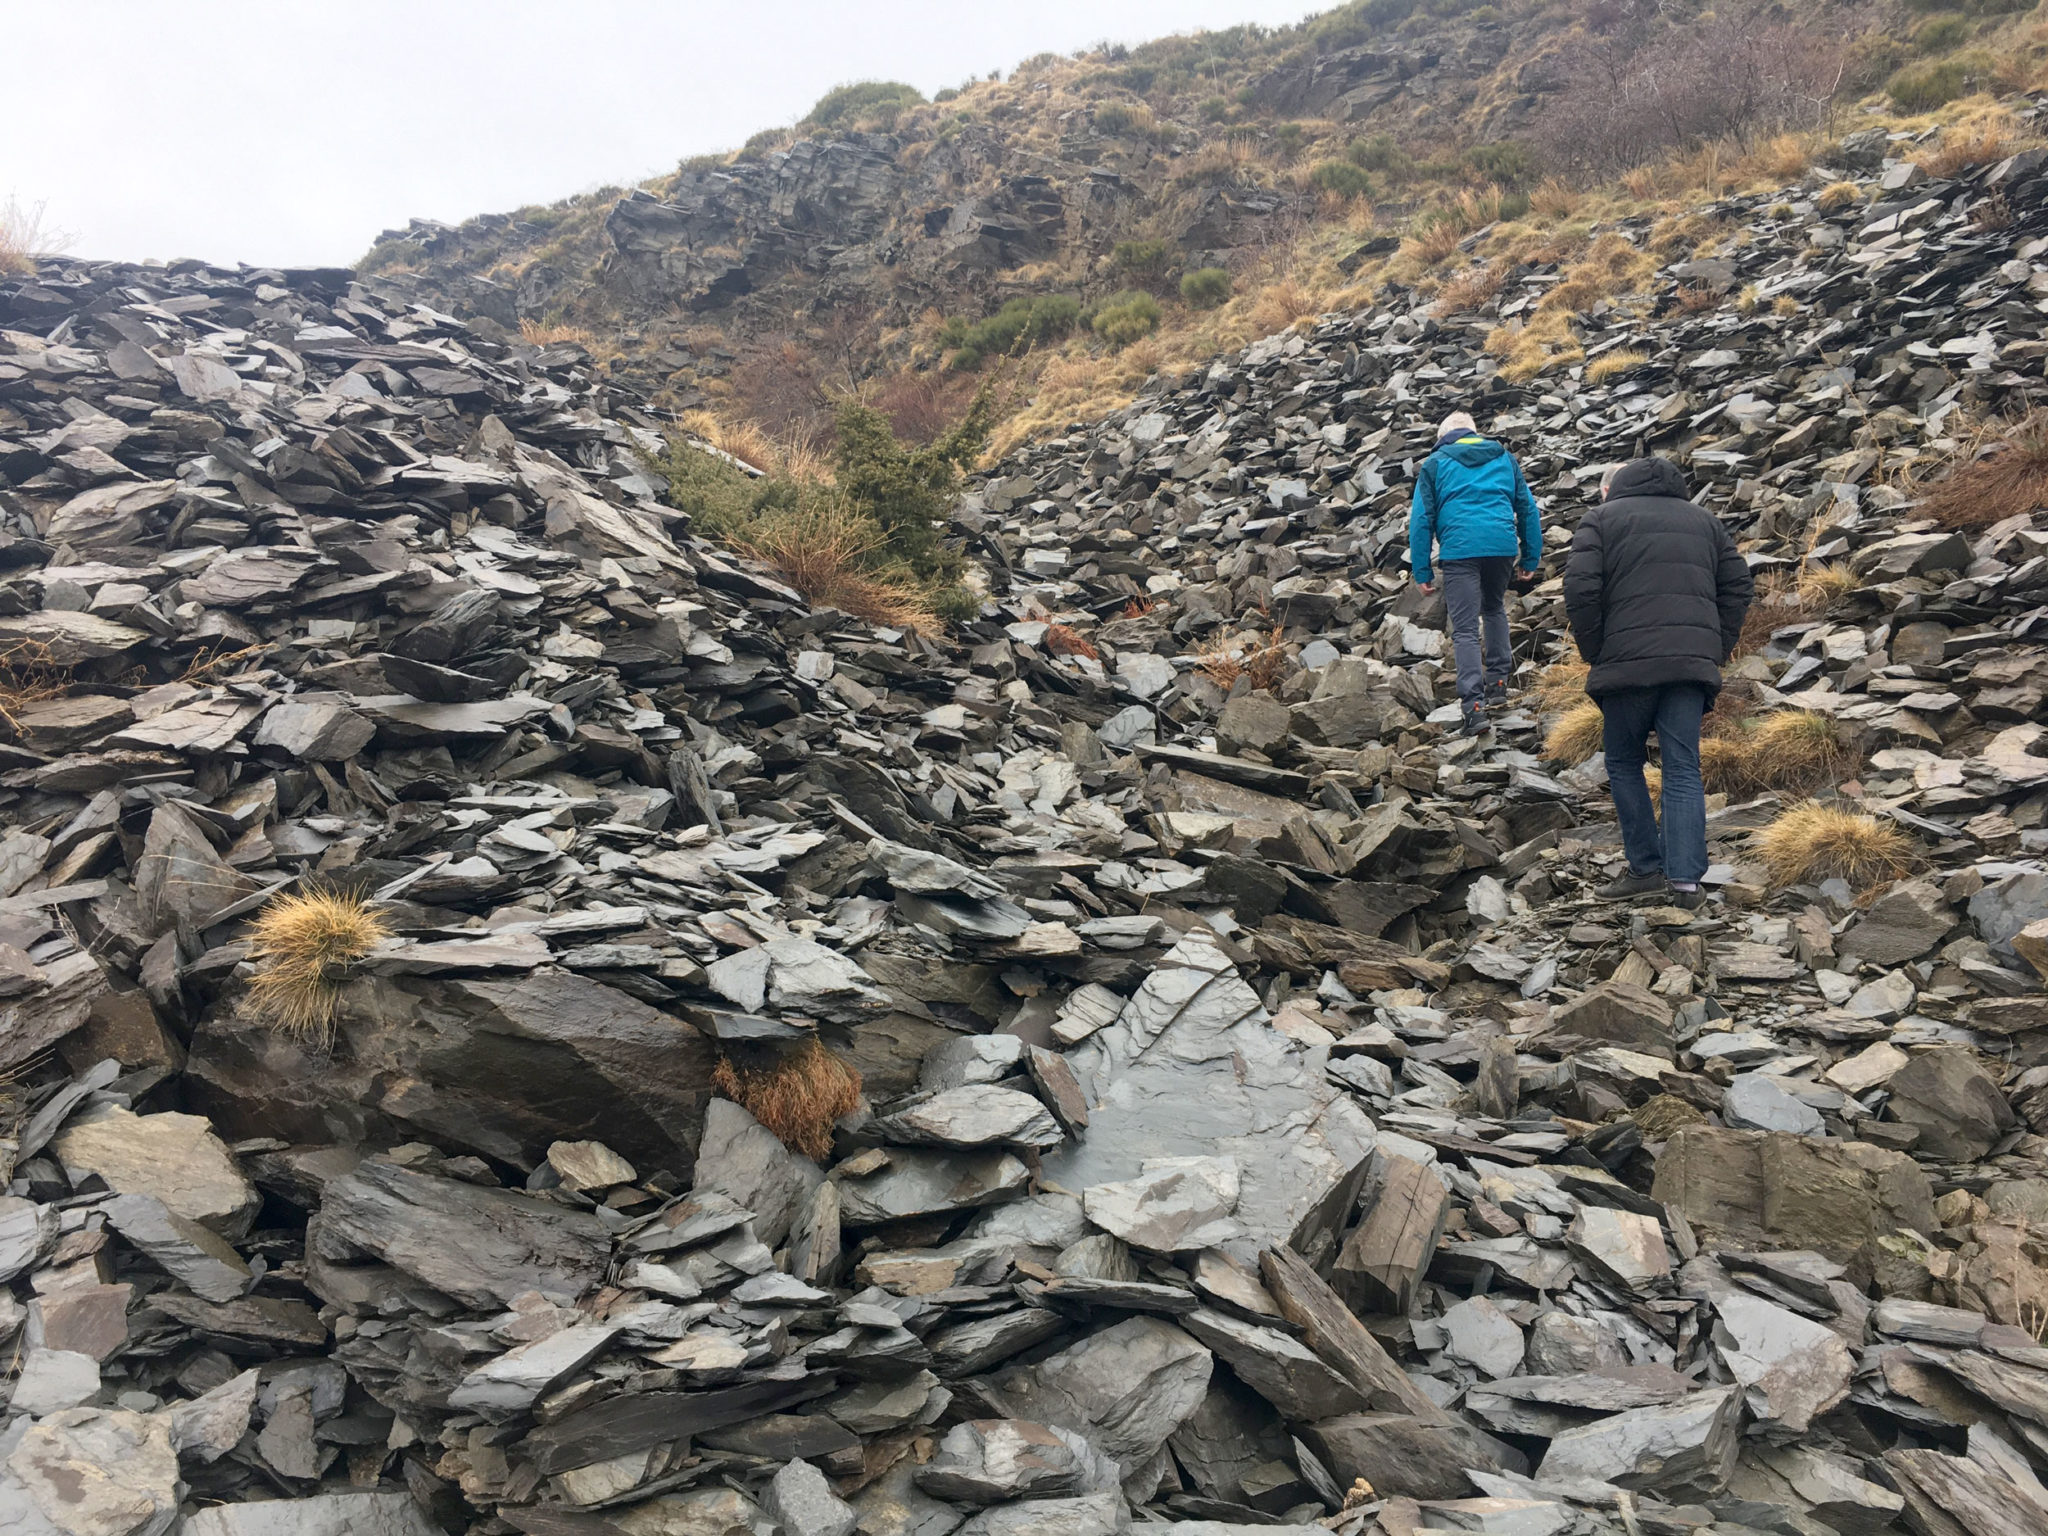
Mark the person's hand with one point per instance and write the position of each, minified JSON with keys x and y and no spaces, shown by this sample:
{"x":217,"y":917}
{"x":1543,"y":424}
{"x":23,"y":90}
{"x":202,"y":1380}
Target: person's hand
{"x":1425,"y":586}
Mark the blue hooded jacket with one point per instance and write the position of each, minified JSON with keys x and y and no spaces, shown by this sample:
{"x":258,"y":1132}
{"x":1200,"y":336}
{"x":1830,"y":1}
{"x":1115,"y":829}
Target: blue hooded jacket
{"x":1470,"y":501}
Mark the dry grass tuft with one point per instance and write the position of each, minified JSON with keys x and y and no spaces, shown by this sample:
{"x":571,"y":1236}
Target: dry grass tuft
{"x":1792,"y":751}
{"x":1279,"y":304}
{"x":1990,"y":480}
{"x":555,"y":335}
{"x":1555,"y":199}
{"x":1811,"y":841}
{"x":303,"y":942}
{"x":1778,"y":603}
{"x":1470,"y":290}
{"x":1560,"y":685}
{"x":1966,"y":145}
{"x":1820,"y":585}
{"x":1837,"y":196}
{"x":828,"y":554}
{"x":1576,"y":735}
{"x":1224,"y":663}
{"x":1061,"y":640}
{"x":744,"y":440}
{"x":24,"y":237}
{"x":29,"y":676}
{"x":1696,"y":299}
{"x":797,"y":1097}
{"x":1612,"y":365}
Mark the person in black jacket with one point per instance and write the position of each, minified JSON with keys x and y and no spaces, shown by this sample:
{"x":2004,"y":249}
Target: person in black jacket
{"x":1655,"y":591}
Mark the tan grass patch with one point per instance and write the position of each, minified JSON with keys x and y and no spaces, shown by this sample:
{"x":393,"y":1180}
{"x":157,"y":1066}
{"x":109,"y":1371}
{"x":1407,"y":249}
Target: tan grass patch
{"x":29,"y":675}
{"x":1225,"y":662}
{"x":1811,"y":841}
{"x":1612,"y":365}
{"x":829,"y":555}
{"x":1821,"y":585}
{"x":1967,"y":145}
{"x":1995,"y":475}
{"x":798,"y":1097}
{"x":1470,"y":290}
{"x":1837,"y":196}
{"x":555,"y":335}
{"x":1560,"y":685}
{"x":302,"y":944}
{"x":1576,"y":735}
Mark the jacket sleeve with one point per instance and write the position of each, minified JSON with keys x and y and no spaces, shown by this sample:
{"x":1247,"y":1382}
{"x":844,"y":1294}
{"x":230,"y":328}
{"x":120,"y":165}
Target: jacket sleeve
{"x":1733,"y":589}
{"x":1528,"y":523}
{"x":1585,"y":579}
{"x":1422,"y":521}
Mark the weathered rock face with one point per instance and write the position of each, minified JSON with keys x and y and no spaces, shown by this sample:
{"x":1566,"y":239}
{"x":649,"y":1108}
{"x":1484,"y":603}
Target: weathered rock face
{"x":502,"y":1069}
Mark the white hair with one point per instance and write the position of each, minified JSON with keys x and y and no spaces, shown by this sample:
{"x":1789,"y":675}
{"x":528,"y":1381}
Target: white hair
{"x":1607,"y":479}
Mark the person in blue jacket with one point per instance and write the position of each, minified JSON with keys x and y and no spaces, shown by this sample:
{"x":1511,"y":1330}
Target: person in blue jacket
{"x":1472,"y":504}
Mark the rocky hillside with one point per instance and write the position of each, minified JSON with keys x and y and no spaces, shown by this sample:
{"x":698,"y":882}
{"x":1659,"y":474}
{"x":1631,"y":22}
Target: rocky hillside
{"x":514,"y":1021}
{"x":856,"y":249}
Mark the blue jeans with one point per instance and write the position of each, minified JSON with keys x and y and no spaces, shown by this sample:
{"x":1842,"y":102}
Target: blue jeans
{"x":1475,"y":599}
{"x":1674,"y":712}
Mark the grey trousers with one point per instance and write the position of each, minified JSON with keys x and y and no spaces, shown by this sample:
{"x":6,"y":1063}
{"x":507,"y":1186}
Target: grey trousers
{"x":1475,"y":595}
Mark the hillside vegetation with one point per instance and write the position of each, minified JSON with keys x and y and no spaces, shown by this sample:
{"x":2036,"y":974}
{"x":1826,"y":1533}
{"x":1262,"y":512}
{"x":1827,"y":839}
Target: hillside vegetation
{"x":1065,"y":232}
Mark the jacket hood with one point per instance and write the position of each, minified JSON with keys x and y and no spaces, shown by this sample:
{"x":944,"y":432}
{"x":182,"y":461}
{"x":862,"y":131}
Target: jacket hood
{"x":1472,"y":451}
{"x":1649,"y":477}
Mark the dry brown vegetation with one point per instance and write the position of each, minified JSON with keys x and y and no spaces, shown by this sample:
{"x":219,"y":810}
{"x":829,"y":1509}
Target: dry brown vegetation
{"x":1560,"y":685}
{"x":1612,"y":365}
{"x":797,"y":1097}
{"x":302,"y":943}
{"x":1790,"y":751}
{"x":827,"y":553}
{"x":1469,"y":290}
{"x":1063,"y":640}
{"x":29,"y":676}
{"x":1838,"y":195}
{"x":1576,"y":734}
{"x":1225,"y":662}
{"x":1821,"y":585}
{"x":1963,"y":146}
{"x":555,"y":335}
{"x":24,"y":237}
{"x":1812,"y":841}
{"x":1696,"y":299}
{"x":1996,"y":474}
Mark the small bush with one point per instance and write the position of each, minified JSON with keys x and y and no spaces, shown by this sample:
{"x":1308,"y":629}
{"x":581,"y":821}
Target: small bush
{"x":1142,"y":258}
{"x":1506,"y":164}
{"x":1121,"y":119}
{"x":1995,"y":478}
{"x":1291,"y":136}
{"x":1215,"y":109}
{"x":1224,"y":662}
{"x":1838,"y":196}
{"x":1342,"y":178}
{"x":1124,"y":318}
{"x":1939,"y":34}
{"x":1964,"y":148}
{"x":1381,"y":153}
{"x":878,"y":100}
{"x":797,"y":1097}
{"x":1205,"y":287}
{"x":1018,"y":326}
{"x":301,"y":944}
{"x":946,"y":93}
{"x":1063,"y":640}
{"x":1612,"y":365}
{"x":957,"y":604}
{"x":1811,"y":842}
{"x":1576,"y":735}
{"x":837,"y":559}
{"x":1923,"y":87}
{"x":1470,"y":290}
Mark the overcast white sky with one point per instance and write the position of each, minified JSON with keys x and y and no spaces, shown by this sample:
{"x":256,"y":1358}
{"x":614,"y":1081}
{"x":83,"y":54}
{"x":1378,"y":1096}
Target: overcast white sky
{"x":293,"y":131}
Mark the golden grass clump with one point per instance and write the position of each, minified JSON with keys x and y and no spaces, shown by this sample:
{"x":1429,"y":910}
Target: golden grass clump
{"x":554,"y":335}
{"x":1965,"y":145}
{"x":1560,"y":685}
{"x":302,"y":943}
{"x":1696,"y":299}
{"x":1576,"y":735}
{"x":1788,"y":751}
{"x":1820,"y":585}
{"x":1224,"y":662}
{"x":1811,"y":841}
{"x":1837,"y":196}
{"x":827,"y":553}
{"x":1470,"y":290}
{"x":1992,"y":479}
{"x":1554,"y":199}
{"x":1612,"y":365}
{"x":742,"y":439}
{"x":797,"y":1097}
{"x":1785,"y":308}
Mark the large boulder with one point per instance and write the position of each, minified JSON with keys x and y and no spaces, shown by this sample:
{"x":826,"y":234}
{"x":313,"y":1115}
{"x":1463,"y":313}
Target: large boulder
{"x":1192,"y":1067}
{"x":501,"y":1068}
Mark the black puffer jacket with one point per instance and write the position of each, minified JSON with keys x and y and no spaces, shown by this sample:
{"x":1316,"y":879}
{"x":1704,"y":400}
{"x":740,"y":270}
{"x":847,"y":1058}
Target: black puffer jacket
{"x":1655,"y":589}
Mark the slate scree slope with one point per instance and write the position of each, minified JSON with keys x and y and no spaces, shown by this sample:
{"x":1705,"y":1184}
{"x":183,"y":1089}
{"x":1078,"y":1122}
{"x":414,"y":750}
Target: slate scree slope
{"x":1263,"y":1128}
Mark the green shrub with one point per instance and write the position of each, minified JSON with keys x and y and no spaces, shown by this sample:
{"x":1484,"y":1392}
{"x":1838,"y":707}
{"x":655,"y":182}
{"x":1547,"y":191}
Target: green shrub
{"x":721,"y":499}
{"x":1118,"y":118}
{"x":1124,"y":318}
{"x":1342,"y":178}
{"x":1506,"y":163}
{"x":1923,"y":87}
{"x":947,"y":93}
{"x":1206,"y":287}
{"x":844,"y":105}
{"x":1940,"y":33}
{"x":1215,"y":109}
{"x":1018,"y":326}
{"x":763,"y":143}
{"x":1359,"y":22}
{"x":701,"y":163}
{"x":1380,"y":153}
{"x":1142,"y":258}
{"x":1291,"y":137}
{"x":957,"y":604}
{"x":908,"y":491}
{"x":1137,"y":77}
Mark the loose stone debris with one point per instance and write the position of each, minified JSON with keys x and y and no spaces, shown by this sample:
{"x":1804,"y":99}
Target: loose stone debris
{"x":1263,"y":1128}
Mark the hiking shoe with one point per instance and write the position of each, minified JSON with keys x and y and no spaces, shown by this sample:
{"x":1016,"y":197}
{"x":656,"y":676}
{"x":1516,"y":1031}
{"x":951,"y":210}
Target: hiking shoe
{"x":1689,"y":901}
{"x":1497,"y":694}
{"x":1475,"y":720}
{"x":1629,"y":887}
